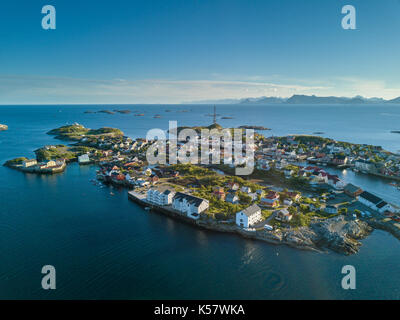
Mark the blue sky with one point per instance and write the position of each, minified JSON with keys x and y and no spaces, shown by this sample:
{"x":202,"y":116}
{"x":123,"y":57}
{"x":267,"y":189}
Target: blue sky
{"x":169,"y":51}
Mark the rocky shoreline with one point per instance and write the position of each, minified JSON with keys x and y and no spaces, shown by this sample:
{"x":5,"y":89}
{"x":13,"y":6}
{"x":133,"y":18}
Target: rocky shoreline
{"x":339,"y":234}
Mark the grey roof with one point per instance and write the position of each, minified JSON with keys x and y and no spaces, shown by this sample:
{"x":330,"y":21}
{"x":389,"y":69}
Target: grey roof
{"x":284,"y":211}
{"x":370,"y":197}
{"x":189,"y":198}
{"x":381,"y":204}
{"x":351,"y":188}
{"x":251,"y":210}
{"x":231,"y":196}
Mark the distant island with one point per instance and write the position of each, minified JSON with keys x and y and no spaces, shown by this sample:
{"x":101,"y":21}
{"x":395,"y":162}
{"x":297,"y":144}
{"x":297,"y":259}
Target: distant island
{"x":302,"y":99}
{"x":3,"y":127}
{"x":77,"y":132}
{"x":109,"y":111}
{"x":254,"y":127}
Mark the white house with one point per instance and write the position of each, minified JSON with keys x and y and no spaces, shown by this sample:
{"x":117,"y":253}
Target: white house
{"x":334,"y":181}
{"x":375,"y":202}
{"x":249,"y":216}
{"x":383,"y":206}
{"x":161,"y":196}
{"x":370,"y":200}
{"x":83,"y":159}
{"x":284,"y":215}
{"x":190,"y":205}
{"x":365,"y":165}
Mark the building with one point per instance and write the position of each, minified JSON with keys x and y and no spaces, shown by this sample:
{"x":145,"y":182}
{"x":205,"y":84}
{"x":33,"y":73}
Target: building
{"x":233,"y":186}
{"x":232,"y":198}
{"x":339,"y":159}
{"x":190,"y":205}
{"x":219,"y":193}
{"x":295,"y":196}
{"x":48,"y":164}
{"x":365,"y":166}
{"x":29,"y":163}
{"x":154,"y":178}
{"x":331,"y":209}
{"x":374,"y":202}
{"x":369,"y":199}
{"x":249,"y":216}
{"x":161,"y":196}
{"x":246,"y":189}
{"x":270,"y":200}
{"x":84,"y":159}
{"x":288,"y":202}
{"x":352,"y":190}
{"x":283,"y":215}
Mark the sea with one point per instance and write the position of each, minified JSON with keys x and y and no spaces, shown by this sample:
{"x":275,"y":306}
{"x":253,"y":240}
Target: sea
{"x":105,"y":247}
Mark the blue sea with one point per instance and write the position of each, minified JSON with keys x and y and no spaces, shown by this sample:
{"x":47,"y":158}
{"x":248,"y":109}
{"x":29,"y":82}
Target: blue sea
{"x":106,"y":247}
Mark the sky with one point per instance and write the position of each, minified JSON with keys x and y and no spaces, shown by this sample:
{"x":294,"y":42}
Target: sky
{"x":174,"y":51}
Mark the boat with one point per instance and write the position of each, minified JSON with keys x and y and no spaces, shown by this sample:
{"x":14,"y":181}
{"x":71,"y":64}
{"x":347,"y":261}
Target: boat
{"x":157,"y":116}
{"x":147,"y":208}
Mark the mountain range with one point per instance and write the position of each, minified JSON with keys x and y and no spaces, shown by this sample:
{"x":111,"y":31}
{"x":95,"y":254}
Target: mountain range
{"x":301,"y":99}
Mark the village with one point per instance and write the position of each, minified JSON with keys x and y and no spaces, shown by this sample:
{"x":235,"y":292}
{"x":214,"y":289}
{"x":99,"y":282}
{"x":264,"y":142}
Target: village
{"x":282,"y":194}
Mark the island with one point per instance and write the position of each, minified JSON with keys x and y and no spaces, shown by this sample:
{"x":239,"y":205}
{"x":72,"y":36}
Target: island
{"x":109,"y":111}
{"x":254,"y":127}
{"x":281,"y":202}
{"x":78,"y":132}
{"x":3,"y":127}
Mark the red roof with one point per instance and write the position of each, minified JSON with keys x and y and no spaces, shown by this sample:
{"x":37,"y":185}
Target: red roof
{"x":272,"y":195}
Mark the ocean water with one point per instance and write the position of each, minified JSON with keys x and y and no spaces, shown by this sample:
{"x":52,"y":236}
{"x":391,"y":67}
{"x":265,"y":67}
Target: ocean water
{"x":104,"y":246}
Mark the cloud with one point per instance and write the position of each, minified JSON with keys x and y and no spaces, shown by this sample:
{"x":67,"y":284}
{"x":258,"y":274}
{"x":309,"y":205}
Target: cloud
{"x":367,"y":88}
{"x":62,"y":90}
{"x":30,"y":89}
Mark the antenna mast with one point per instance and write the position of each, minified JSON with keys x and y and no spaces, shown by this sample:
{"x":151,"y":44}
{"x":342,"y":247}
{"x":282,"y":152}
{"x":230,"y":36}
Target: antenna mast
{"x":215,"y":115}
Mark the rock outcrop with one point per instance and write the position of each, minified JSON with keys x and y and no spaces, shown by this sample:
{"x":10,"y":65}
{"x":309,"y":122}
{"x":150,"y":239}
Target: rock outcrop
{"x":339,"y":234}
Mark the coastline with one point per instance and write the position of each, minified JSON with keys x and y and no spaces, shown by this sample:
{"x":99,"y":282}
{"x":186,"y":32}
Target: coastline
{"x":303,"y":239}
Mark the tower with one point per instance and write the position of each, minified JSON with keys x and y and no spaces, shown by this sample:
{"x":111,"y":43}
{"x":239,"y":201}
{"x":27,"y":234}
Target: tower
{"x":215,"y":115}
